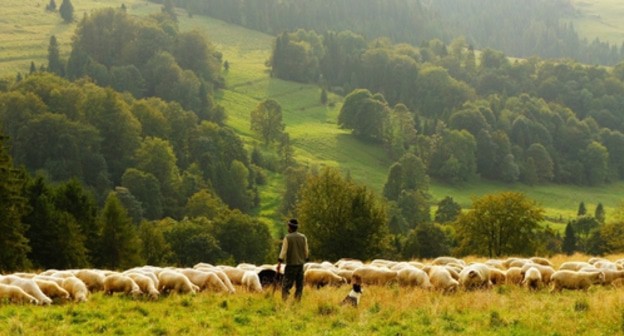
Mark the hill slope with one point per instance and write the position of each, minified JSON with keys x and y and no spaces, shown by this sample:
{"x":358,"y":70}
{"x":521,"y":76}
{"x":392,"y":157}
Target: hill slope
{"x":315,"y":136}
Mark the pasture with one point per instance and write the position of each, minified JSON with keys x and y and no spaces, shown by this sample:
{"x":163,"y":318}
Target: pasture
{"x":600,"y":18}
{"x":383,"y":310}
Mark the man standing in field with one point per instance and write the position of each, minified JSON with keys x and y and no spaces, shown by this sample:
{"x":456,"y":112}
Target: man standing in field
{"x":294,"y":253}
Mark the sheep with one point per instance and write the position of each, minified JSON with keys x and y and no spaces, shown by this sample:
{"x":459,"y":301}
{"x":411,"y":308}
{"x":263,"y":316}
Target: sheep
{"x":29,"y":286}
{"x":51,"y":289}
{"x":566,"y":279}
{"x":119,"y":283}
{"x":605,"y":264}
{"x":609,"y":275}
{"x":513,"y":276}
{"x":495,"y":263}
{"x":532,"y":278}
{"x":573,"y":265}
{"x":204,"y":280}
{"x":441,"y":279}
{"x":94,"y":280}
{"x":475,"y":276}
{"x":203,"y":265}
{"x":15,"y":294}
{"x":446,"y":260}
{"x":145,"y":283}
{"x":497,"y":276}
{"x":541,"y":261}
{"x":347,"y":274}
{"x":234,"y":274}
{"x":322,"y":277}
{"x":76,"y":289}
{"x":251,"y":281}
{"x":375,"y":275}
{"x":170,"y":280}
{"x":545,"y":271}
{"x":247,"y":266}
{"x":413,"y":277}
{"x":349,"y":264}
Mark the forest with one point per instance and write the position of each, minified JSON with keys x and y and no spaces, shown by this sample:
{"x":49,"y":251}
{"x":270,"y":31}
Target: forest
{"x":119,"y":154}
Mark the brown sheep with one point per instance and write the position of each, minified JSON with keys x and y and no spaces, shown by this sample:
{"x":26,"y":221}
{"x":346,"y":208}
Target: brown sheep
{"x":318,"y":277}
{"x":575,"y":280}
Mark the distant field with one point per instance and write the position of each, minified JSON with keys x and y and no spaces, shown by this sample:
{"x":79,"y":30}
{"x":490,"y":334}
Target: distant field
{"x":600,"y":18}
{"x":25,"y":29}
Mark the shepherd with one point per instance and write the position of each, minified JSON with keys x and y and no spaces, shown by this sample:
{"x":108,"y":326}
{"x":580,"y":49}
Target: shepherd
{"x":294,"y":254}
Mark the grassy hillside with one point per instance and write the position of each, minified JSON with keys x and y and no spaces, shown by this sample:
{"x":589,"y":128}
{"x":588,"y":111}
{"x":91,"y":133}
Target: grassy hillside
{"x":600,"y":18}
{"x":24,"y":33}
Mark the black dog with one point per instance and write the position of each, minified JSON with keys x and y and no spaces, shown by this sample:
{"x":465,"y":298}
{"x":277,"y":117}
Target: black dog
{"x":354,"y":296}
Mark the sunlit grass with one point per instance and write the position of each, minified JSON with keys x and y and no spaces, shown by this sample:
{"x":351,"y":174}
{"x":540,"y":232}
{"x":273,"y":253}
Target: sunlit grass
{"x":600,"y":19}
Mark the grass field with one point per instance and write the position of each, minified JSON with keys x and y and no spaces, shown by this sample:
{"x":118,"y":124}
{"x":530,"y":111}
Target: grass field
{"x":383,"y":310}
{"x":600,"y":18}
{"x":25,"y":29}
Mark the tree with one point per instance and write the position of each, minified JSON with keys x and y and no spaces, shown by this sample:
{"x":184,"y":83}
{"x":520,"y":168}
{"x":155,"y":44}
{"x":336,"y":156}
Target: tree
{"x":33,"y":68}
{"x":266,"y":120}
{"x":155,"y":249}
{"x":13,"y":206}
{"x":55,"y":64}
{"x":67,"y":11}
{"x":168,"y":8}
{"x":569,"y":240}
{"x":324,"y":96}
{"x":204,"y":203}
{"x":120,"y":245}
{"x":613,"y":235}
{"x":191,"y":242}
{"x":341,"y":219}
{"x":364,"y":113}
{"x":599,"y":213}
{"x":582,"y":211}
{"x":244,"y":238}
{"x":51,"y":6}
{"x":499,"y":224}
{"x":447,"y":211}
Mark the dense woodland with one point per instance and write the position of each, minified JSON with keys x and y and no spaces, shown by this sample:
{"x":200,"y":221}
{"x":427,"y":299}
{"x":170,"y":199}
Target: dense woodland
{"x":534,"y":121}
{"x":529,"y":28}
{"x":119,"y":156}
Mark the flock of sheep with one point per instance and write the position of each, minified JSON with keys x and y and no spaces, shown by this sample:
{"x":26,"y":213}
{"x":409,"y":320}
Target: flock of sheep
{"x":445,"y":274}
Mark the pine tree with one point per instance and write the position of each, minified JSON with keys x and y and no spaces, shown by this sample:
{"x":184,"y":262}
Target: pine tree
{"x":55,"y":65}
{"x":569,"y":240}
{"x":169,"y":9}
{"x":67,"y":11}
{"x":51,"y":6}
{"x":33,"y":68}
{"x":582,"y":211}
{"x":599,"y":213}
{"x":13,"y":206}
{"x":119,"y":244}
{"x":324,"y":97}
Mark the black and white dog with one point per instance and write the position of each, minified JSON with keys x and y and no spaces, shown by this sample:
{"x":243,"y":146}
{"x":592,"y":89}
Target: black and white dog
{"x":356,"y":292}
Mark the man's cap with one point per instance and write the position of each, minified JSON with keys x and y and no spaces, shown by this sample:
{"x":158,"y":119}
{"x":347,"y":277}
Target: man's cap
{"x":293,"y":223}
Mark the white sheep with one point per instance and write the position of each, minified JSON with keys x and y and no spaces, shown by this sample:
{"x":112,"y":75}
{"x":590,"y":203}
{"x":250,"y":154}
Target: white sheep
{"x":16,"y":294}
{"x":475,"y":276}
{"x":29,"y":286}
{"x":251,"y":281}
{"x":173,"y":281}
{"x":119,"y":283}
{"x":320,"y":277}
{"x":371,"y":275}
{"x":441,"y":279}
{"x":532,"y":278}
{"x":76,"y":288}
{"x":413,"y":277}
{"x":575,"y":280}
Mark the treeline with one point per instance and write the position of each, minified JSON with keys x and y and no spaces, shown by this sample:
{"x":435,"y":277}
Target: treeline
{"x":147,"y":57}
{"x":61,"y":225}
{"x":534,"y":121}
{"x":518,"y":28}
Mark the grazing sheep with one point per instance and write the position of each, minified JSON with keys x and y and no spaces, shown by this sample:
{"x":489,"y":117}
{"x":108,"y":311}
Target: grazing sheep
{"x":119,"y":283}
{"x":203,"y":265}
{"x":532,"y":279}
{"x":413,"y":277}
{"x":541,"y":261}
{"x":51,"y":289}
{"x":441,"y":279}
{"x":347,"y":274}
{"x":609,"y":275}
{"x":76,"y":289}
{"x":573,"y":265}
{"x":205,"y":280}
{"x":251,"y":281}
{"x":322,"y":277}
{"x":497,"y":276}
{"x":235,"y":275}
{"x":475,"y":276}
{"x":513,"y":276}
{"x":94,"y":280}
{"x":16,"y":294}
{"x":145,"y":283}
{"x":545,"y":271}
{"x":447,"y":260}
{"x":375,"y":275}
{"x":29,"y":286}
{"x":605,"y":264}
{"x":495,"y":263}
{"x":575,"y":280}
{"x":173,"y":281}
{"x":247,"y":266}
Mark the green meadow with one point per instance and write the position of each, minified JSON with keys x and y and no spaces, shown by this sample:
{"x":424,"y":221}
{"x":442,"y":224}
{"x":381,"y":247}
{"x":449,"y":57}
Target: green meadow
{"x":600,"y":18}
{"x":25,"y":28}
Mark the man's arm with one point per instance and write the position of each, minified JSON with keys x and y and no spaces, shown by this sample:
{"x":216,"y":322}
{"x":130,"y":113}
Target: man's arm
{"x":307,"y":251}
{"x":282,"y":254}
